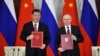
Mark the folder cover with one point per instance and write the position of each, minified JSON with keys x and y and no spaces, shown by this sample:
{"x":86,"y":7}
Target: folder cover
{"x":37,"y":41}
{"x":67,"y":41}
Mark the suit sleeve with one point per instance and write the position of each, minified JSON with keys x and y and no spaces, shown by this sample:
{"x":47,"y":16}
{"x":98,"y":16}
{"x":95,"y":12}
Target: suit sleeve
{"x":24,"y":34}
{"x":79,"y":35}
{"x":57,"y":40}
{"x":46,"y":36}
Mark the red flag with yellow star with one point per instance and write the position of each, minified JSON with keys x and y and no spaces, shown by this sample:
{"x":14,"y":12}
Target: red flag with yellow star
{"x":26,"y":7}
{"x":70,"y":8}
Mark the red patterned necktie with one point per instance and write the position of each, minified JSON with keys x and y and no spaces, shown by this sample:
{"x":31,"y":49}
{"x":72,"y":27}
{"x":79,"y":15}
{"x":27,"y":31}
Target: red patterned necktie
{"x":35,"y":29}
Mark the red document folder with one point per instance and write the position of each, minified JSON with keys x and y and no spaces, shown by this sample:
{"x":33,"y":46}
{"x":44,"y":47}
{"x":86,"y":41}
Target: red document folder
{"x":37,"y":41}
{"x":67,"y":41}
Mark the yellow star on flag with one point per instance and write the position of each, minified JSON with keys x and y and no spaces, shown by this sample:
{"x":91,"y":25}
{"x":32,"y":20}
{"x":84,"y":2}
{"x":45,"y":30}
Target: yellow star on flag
{"x":25,"y":5}
{"x":70,"y":5}
{"x":32,"y":1}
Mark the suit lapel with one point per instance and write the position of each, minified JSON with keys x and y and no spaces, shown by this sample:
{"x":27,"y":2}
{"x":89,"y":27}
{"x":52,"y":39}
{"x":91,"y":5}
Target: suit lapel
{"x":31,"y":26}
{"x":39,"y":28}
{"x":64,"y":31}
{"x":72,"y":29}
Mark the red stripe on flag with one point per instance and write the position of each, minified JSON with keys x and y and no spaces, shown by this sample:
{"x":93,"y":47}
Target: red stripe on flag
{"x":2,"y":44}
{"x":49,"y":51}
{"x":98,"y":41}
{"x":87,"y":44}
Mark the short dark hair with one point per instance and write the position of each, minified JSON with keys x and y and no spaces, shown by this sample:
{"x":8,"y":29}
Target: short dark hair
{"x":36,"y":10}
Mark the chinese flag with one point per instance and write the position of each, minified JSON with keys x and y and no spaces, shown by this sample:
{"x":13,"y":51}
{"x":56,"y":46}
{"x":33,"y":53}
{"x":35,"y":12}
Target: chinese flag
{"x":26,"y":7}
{"x":70,"y":8}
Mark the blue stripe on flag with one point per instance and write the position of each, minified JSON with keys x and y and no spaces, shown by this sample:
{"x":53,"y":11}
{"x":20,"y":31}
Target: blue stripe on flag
{"x":7,"y":24}
{"x":90,"y":21}
{"x":48,"y":18}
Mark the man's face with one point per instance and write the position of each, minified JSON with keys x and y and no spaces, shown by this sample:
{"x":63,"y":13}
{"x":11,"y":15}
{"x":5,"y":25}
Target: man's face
{"x":67,"y":19}
{"x":36,"y":16}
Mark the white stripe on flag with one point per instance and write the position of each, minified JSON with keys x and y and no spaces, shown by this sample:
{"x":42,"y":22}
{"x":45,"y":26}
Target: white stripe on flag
{"x":10,"y":5}
{"x":51,"y":7}
{"x":93,"y":5}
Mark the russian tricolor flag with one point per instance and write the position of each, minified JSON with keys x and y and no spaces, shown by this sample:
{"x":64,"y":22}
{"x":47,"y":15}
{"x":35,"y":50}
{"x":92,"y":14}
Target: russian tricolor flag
{"x":8,"y":24}
{"x":89,"y":25}
{"x":48,"y":17}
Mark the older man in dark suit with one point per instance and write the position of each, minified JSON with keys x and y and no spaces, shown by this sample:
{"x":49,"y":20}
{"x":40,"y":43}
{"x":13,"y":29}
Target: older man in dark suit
{"x":76,"y":36}
{"x":27,"y":36}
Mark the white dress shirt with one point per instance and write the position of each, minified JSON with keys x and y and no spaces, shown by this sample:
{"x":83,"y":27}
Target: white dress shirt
{"x":37,"y":25}
{"x":66,"y":29}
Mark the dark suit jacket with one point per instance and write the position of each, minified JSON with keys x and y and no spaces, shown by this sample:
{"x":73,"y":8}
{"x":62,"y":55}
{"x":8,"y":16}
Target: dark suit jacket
{"x":75,"y":31}
{"x":27,"y":29}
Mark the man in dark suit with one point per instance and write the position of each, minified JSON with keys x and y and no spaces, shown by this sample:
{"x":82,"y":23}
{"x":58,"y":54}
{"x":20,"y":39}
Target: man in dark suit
{"x":76,"y":36}
{"x":35,"y":25}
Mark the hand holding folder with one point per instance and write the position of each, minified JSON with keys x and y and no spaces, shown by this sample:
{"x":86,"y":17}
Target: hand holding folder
{"x":67,"y":41}
{"x":37,"y":41}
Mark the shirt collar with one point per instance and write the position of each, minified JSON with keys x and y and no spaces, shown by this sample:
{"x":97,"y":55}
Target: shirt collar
{"x":35,"y":23}
{"x":68,"y":26}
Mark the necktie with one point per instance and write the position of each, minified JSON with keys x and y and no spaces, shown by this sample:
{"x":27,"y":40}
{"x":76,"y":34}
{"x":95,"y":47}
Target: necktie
{"x":35,"y":29}
{"x":68,"y":30}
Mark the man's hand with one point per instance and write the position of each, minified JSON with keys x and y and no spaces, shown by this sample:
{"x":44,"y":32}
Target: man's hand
{"x":60,"y":49}
{"x":74,"y":37}
{"x":43,"y":46}
{"x":30,"y":37}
